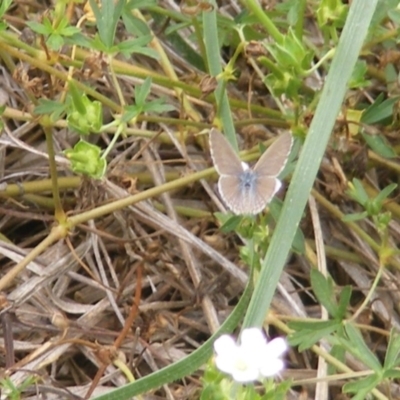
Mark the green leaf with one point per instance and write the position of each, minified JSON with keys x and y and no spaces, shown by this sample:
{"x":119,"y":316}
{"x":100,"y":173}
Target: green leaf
{"x":213,"y":390}
{"x":359,"y":192}
{"x":382,"y":11}
{"x":62,"y":24}
{"x":359,"y":349}
{"x":394,"y":15}
{"x":55,"y":42}
{"x":141,"y":92}
{"x":299,"y":242}
{"x":70,"y":30}
{"x":79,"y":40}
{"x":155,"y":106}
{"x":39,"y":28}
{"x":380,"y":110}
{"x":362,"y":387}
{"x":77,"y":98}
{"x":131,"y":46}
{"x":130,"y":113}
{"x":291,"y":9}
{"x":49,"y":26}
{"x":135,"y":26}
{"x":324,"y":291}
{"x":276,"y":391}
{"x":158,"y":106}
{"x":307,"y":337}
{"x":355,"y":217}
{"x":361,"y":392}
{"x":4,"y":5}
{"x":392,"y":359}
{"x":344,"y":301}
{"x":107,"y":19}
{"x":385,"y":192}
{"x":172,"y":29}
{"x":391,"y":374}
{"x":128,"y":51}
{"x":141,"y":4}
{"x":50,"y":107}
{"x":339,"y":353}
{"x":181,"y":43}
{"x":358,"y":78}
{"x":331,"y":13}
{"x":229,"y":222}
{"x":379,"y":145}
{"x":311,"y":325}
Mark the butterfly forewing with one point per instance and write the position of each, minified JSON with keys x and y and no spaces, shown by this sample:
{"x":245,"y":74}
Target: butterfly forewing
{"x":274,"y":159}
{"x":226,"y":161}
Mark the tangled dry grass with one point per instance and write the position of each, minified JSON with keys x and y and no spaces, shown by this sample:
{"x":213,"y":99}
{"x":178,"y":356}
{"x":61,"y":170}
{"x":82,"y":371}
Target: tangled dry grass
{"x":149,"y":282}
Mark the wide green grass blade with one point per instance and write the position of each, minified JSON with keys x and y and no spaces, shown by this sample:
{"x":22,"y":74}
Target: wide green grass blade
{"x":351,"y":41}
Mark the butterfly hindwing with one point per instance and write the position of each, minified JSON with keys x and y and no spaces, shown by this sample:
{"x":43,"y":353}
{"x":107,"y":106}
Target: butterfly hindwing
{"x":247,"y":200}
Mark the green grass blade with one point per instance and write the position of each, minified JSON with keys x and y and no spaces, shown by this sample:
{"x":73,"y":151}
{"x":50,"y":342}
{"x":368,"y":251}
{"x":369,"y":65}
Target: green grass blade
{"x":212,"y":46}
{"x":351,"y":41}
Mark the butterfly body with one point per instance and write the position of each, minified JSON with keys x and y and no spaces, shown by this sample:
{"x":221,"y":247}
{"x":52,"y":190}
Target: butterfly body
{"x":248,"y":190}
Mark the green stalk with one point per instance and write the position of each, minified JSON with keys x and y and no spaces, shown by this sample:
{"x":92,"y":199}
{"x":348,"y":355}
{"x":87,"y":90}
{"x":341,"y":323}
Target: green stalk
{"x":269,"y":26}
{"x":59,"y":213}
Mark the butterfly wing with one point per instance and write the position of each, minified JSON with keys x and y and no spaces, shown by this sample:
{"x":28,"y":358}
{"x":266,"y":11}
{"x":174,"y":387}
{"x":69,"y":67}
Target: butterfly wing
{"x":248,"y":194}
{"x":225,"y":159}
{"x":274,"y":159}
{"x":252,"y":199}
{"x":266,"y":188}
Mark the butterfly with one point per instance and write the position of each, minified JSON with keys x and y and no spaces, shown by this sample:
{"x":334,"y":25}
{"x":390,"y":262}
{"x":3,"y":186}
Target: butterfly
{"x":248,"y":190}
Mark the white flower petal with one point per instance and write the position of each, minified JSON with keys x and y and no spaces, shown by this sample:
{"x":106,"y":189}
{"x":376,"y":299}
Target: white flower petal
{"x":227,"y":353}
{"x":247,"y":375}
{"x":224,"y":364}
{"x":253,"y":339}
{"x":253,"y":358}
{"x":238,"y":364}
{"x":272,"y":367}
{"x":276,"y":347}
{"x":253,"y":334}
{"x":225,"y":345}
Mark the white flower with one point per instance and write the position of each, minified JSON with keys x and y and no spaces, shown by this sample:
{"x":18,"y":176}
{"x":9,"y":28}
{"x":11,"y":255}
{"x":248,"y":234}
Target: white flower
{"x":253,"y":358}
